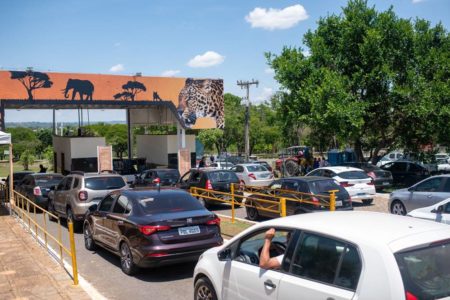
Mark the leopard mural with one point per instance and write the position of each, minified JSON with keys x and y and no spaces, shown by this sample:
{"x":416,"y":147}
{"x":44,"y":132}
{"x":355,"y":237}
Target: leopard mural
{"x":201,"y":98}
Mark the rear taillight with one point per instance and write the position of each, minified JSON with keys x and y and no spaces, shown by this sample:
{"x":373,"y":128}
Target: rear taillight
{"x":37,"y":191}
{"x":372,"y":175}
{"x":252,"y":176}
{"x":82,"y":195}
{"x":156,"y":181}
{"x":208,"y":185}
{"x":346,"y":184}
{"x":150,"y":229}
{"x":157,"y":254}
{"x":215,"y":221}
{"x":316,"y":201}
{"x":410,"y":296}
{"x":370,"y":183}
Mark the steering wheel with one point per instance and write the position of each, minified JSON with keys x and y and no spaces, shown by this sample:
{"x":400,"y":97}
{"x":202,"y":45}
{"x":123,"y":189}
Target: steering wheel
{"x":276,"y":248}
{"x":248,"y":258}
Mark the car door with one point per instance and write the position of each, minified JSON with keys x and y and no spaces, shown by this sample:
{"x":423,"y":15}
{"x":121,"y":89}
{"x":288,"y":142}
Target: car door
{"x":59,"y":196}
{"x":184,"y":181}
{"x":243,"y":278}
{"x":115,"y":221}
{"x":100,"y":231}
{"x":321,"y":268}
{"x":425,"y":193}
{"x":446,"y":214}
{"x":290,"y":185}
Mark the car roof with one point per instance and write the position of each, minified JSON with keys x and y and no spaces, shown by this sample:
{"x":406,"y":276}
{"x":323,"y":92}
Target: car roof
{"x":339,"y":169}
{"x":368,"y":228}
{"x":162,"y":169}
{"x":45,"y":174}
{"x":307,"y":178}
{"x":152,"y":192}
{"x":210,"y":169}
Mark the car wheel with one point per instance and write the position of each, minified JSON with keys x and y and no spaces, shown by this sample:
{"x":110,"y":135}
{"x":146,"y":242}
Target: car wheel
{"x":398,"y":208}
{"x":367,"y":201}
{"x":71,"y":218}
{"x":51,"y":208}
{"x":89,"y":242}
{"x":204,"y":290}
{"x":252,"y":213}
{"x":126,"y":260}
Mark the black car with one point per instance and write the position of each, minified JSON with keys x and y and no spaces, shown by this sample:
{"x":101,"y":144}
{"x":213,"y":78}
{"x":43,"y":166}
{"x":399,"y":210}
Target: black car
{"x":17,"y":177}
{"x":36,"y":186}
{"x":406,"y":173}
{"x":381,"y":178}
{"x":151,"y":227}
{"x":166,"y":177}
{"x":210,"y":179}
{"x":311,"y":189}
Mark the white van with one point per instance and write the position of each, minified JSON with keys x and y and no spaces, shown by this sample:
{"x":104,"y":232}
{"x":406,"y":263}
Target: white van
{"x":391,"y":156}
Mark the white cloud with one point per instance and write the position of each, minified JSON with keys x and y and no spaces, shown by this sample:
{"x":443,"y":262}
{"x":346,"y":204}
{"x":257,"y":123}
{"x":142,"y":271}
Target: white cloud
{"x":265,"y":95}
{"x":208,"y":59}
{"x":272,"y":19}
{"x":417,"y":1}
{"x":306,"y":53}
{"x":117,"y":68}
{"x":170,"y":73}
{"x":269,"y":71}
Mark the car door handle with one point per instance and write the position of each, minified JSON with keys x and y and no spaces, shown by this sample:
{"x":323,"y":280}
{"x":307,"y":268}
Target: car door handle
{"x":269,"y":284}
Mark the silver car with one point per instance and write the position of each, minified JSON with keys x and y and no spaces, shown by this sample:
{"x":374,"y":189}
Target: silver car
{"x":424,"y":193}
{"x":253,"y":174}
{"x":72,"y":197}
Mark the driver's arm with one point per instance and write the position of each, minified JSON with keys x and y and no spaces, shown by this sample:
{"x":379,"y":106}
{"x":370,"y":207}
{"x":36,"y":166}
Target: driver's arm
{"x":265,"y":261}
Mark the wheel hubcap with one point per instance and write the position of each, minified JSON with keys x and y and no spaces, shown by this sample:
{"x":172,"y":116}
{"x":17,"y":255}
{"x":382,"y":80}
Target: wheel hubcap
{"x":126,"y":256}
{"x":204,"y":293}
{"x":87,"y":236}
{"x":398,"y":209}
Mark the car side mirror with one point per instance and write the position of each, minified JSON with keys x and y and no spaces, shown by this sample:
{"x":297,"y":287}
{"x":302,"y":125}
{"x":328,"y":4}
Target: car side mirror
{"x":224,"y":255}
{"x":93,"y":207}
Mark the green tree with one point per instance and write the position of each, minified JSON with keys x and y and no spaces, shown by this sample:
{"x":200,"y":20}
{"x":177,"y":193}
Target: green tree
{"x":26,"y":159}
{"x":373,"y":80}
{"x":23,"y":139}
{"x":48,"y":156}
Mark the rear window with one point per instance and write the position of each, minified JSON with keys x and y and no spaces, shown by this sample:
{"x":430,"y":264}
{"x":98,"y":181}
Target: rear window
{"x":221,"y":176}
{"x":257,"y":168}
{"x":324,"y":186}
{"x":168,"y":174}
{"x":426,"y":271}
{"x":164,"y":203}
{"x":353,"y":175}
{"x":48,"y":180}
{"x":104,"y":183}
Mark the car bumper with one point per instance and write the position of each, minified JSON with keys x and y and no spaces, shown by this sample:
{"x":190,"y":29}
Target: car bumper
{"x":362,"y":196}
{"x":383,"y":183}
{"x":264,"y":182}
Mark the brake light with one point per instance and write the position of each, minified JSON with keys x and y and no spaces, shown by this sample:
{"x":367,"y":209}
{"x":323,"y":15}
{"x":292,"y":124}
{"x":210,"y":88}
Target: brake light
{"x":150,"y":229}
{"x":410,"y":296}
{"x":157,"y":180}
{"x":252,"y":176}
{"x":346,"y":184}
{"x":37,"y":191}
{"x":316,"y":201}
{"x":215,"y":221}
{"x":372,"y":174}
{"x":208,"y":185}
{"x":82,"y":195}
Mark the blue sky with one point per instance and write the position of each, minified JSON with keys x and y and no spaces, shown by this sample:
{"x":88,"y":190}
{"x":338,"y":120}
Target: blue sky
{"x":198,"y":38}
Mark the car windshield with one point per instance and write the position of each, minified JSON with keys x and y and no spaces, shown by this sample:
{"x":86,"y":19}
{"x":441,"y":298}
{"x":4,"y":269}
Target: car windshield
{"x":48,"y":180}
{"x":168,"y":202}
{"x":426,"y":271}
{"x":221,"y":176}
{"x":257,"y":168}
{"x":353,"y":175}
{"x":104,"y":183}
{"x":324,"y":186}
{"x":169,"y":174}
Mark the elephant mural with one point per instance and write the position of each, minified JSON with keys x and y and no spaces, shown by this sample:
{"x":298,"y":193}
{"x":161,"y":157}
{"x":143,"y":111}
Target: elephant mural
{"x":82,"y":87}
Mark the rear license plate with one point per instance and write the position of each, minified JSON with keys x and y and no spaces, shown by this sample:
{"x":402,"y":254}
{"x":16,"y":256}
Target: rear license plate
{"x":188,"y":230}
{"x":338,"y":203}
{"x":360,"y":194}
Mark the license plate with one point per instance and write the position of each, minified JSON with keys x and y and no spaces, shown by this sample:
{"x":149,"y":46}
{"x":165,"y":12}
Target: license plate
{"x":360,"y":194}
{"x":338,"y":203}
{"x":385,"y":183}
{"x":188,"y":230}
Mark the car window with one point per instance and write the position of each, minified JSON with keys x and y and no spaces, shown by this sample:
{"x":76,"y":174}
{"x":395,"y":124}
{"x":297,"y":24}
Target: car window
{"x":76,"y":183}
{"x":447,"y":208}
{"x":27,"y":180}
{"x":106,"y":203}
{"x":48,"y":180}
{"x":104,"y":183}
{"x":353,"y":175}
{"x":303,"y":187}
{"x":426,"y":271}
{"x":185,"y":177}
{"x":68,"y":184}
{"x":315,"y":173}
{"x":168,"y":174}
{"x":195,"y":177}
{"x":328,"y":173}
{"x":430,"y":185}
{"x":324,"y":186}
{"x":221,"y":176}
{"x":289,"y":185}
{"x":168,"y":202}
{"x":446,"y":187}
{"x":398,"y":167}
{"x":148,"y":175}
{"x":121,"y":205}
{"x":317,"y":258}
{"x":415,"y":168}
{"x":275,"y":185}
{"x":62,"y":184}
{"x":257,"y":168}
{"x":239,"y":169}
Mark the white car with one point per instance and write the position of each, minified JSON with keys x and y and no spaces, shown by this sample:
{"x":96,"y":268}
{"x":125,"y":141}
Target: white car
{"x":222,"y":165}
{"x":358,"y":184}
{"x":439,"y":212}
{"x":392,"y":156}
{"x":443,"y":166}
{"x":253,"y":174}
{"x":331,"y":255}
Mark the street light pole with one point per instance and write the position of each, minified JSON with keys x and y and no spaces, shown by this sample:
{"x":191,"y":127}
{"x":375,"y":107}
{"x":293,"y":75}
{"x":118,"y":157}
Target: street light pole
{"x":246,"y":85}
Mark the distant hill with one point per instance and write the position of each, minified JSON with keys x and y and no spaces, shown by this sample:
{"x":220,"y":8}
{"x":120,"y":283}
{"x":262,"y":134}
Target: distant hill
{"x":50,"y":125}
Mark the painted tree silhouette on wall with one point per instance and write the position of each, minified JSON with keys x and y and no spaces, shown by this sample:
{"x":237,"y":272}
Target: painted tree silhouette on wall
{"x":32,"y":81}
{"x":130,"y":90}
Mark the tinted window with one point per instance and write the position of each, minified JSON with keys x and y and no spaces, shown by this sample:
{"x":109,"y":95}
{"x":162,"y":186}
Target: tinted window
{"x":289,"y":185}
{"x":350,"y":269}
{"x":239,"y":169}
{"x":68,"y":184}
{"x":168,"y":174}
{"x":195,"y":177}
{"x":353,"y":175}
{"x":62,"y":184}
{"x":257,"y":168}
{"x":315,"y":173}
{"x":324,"y":186}
{"x":426,"y":271}
{"x":170,"y":202}
{"x":447,"y":185}
{"x":121,"y":205}
{"x":76,"y":183}
{"x":398,"y":167}
{"x":104,"y":183}
{"x":48,"y":180}
{"x":106,"y":203}
{"x":415,"y":168}
{"x":431,"y":185}
{"x":221,"y":176}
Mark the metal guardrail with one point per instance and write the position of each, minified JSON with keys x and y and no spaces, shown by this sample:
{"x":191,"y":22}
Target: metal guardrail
{"x":24,"y":208}
{"x":238,"y":198}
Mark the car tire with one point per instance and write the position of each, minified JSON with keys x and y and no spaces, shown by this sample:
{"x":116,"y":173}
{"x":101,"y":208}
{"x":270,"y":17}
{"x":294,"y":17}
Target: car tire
{"x":126,"y":260}
{"x":89,"y":242}
{"x":71,"y":218}
{"x":397,"y":208}
{"x":252,"y":213}
{"x":204,"y":290}
{"x":51,"y":209}
{"x":367,"y":201}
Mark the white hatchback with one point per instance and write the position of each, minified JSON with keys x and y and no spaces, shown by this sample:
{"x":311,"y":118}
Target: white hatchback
{"x":331,"y":255}
{"x":253,"y":174}
{"x":357,"y":183}
{"x":439,"y":212}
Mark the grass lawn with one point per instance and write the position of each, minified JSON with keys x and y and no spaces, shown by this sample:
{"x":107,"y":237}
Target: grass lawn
{"x":4,"y":167}
{"x":231,"y":229}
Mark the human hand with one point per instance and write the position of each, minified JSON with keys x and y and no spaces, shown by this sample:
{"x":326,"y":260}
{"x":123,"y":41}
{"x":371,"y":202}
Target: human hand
{"x":270,"y":233}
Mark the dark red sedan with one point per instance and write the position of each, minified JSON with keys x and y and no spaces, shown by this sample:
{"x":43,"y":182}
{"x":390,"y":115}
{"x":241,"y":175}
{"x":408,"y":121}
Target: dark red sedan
{"x":150,"y":228}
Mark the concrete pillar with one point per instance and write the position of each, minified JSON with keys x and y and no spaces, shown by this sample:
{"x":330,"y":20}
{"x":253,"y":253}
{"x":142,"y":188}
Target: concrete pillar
{"x":181,"y":134}
{"x":130,"y":154}
{"x":2,"y":116}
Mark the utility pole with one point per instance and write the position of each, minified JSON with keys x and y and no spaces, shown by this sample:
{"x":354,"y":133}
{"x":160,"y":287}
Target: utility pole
{"x":246,"y":85}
